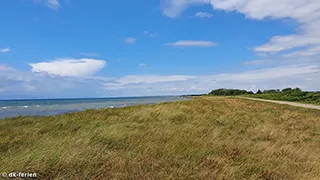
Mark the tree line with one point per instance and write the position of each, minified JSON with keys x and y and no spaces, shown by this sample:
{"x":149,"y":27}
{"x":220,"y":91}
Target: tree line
{"x":229,"y":92}
{"x":286,"y":94}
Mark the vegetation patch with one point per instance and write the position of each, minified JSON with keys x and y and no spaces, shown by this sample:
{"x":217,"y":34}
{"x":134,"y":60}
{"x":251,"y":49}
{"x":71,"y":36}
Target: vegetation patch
{"x":287,"y":94}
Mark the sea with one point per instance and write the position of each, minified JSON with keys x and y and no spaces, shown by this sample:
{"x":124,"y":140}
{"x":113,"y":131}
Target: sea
{"x":44,"y":107}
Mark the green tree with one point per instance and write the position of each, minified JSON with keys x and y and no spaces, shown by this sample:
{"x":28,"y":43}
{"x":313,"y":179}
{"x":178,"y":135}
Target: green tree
{"x":287,"y":90}
{"x":259,"y":92}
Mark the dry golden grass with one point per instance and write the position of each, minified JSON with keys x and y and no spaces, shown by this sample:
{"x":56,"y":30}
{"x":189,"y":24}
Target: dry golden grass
{"x":205,"y":138}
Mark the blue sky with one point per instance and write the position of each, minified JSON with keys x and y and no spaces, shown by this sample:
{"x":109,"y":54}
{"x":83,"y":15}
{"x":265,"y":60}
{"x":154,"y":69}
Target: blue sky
{"x":68,"y":48}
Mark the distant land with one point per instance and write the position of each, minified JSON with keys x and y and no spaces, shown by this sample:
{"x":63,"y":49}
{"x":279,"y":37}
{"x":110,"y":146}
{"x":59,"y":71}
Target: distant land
{"x":287,"y":94}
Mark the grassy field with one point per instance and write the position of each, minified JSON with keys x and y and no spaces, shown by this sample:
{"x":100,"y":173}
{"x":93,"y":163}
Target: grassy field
{"x":204,"y":138}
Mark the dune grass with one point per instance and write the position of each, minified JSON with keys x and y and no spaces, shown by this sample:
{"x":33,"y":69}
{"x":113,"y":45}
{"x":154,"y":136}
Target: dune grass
{"x":204,"y":138}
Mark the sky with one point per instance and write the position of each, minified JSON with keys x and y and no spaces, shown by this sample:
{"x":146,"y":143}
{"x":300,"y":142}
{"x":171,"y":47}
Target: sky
{"x":70,"y":49}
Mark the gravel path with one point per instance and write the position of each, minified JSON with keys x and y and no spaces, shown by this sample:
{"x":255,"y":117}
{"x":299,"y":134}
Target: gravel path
{"x":310,"y":106}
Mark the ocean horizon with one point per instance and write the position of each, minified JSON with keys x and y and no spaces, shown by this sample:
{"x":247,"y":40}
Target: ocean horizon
{"x":54,"y":106}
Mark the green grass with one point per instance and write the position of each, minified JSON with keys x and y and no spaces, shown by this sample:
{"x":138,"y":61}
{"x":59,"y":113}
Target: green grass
{"x":204,"y":138}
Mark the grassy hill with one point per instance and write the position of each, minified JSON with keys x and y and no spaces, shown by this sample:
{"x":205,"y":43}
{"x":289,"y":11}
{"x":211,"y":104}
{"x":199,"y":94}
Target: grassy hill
{"x":204,"y":138}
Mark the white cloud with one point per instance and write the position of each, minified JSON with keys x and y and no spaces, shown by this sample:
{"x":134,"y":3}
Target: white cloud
{"x":172,"y":8}
{"x":188,"y":89}
{"x":152,"y":79}
{"x":143,"y":82}
{"x":307,"y":52}
{"x":69,"y":67}
{"x":19,"y":84}
{"x":262,"y":54}
{"x":4,"y":67}
{"x":130,"y":40}
{"x":258,"y":9}
{"x":306,"y":13}
{"x":276,"y":77}
{"x":281,"y":43}
{"x":28,"y":87}
{"x":191,"y":43}
{"x":52,"y":4}
{"x":4,"y":50}
{"x":87,"y":54}
{"x":142,"y":65}
{"x":147,"y":33}
{"x":258,"y":62}
{"x":269,"y":73}
{"x":203,"y":15}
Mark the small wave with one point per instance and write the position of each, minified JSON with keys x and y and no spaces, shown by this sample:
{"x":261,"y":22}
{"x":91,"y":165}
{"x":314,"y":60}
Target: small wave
{"x":38,"y":105}
{"x":25,"y":106}
{"x":111,"y":106}
{"x":5,"y":107}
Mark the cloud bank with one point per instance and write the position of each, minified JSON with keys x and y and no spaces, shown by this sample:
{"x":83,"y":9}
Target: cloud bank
{"x":191,"y":43}
{"x":130,"y":40}
{"x":4,"y":50}
{"x":306,"y":13}
{"x":52,"y":4}
{"x":19,"y":84}
{"x":203,"y":15}
{"x":69,"y":67}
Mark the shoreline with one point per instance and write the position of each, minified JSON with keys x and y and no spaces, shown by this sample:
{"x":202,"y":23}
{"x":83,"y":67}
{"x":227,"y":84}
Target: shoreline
{"x":36,"y":110}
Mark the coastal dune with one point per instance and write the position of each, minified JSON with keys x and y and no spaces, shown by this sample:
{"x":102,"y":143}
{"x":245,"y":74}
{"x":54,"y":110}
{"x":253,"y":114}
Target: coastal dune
{"x":203,"y":138}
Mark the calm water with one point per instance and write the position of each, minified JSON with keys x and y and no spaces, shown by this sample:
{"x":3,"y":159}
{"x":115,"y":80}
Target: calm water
{"x":11,"y":108}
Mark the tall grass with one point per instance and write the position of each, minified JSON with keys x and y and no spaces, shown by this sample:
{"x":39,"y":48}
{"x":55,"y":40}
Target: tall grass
{"x":204,"y":138}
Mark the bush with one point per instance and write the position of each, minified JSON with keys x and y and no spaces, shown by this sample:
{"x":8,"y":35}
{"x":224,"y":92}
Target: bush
{"x":228,"y":92}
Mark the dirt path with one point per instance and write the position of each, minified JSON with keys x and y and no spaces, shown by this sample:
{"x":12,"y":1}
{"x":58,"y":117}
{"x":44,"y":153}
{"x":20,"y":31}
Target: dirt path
{"x":310,"y":106}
